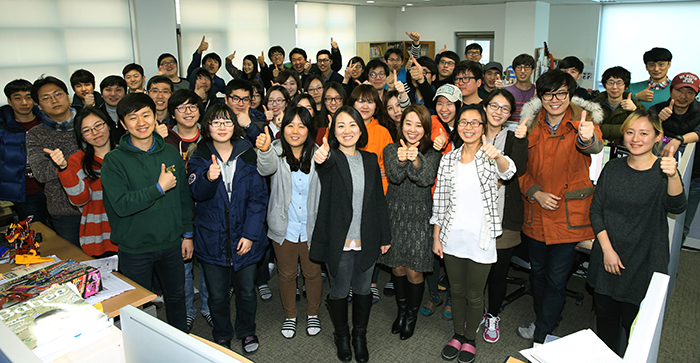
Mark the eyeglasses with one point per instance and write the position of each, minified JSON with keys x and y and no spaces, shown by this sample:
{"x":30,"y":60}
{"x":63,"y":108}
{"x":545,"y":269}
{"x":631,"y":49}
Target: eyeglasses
{"x":333,"y":99}
{"x":183,"y":108}
{"x":394,"y":60}
{"x":218,"y":123}
{"x":276,"y":101}
{"x":160,"y":91}
{"x":523,"y":67}
{"x":473,"y":52}
{"x":463,"y":79}
{"x":446,"y":63}
{"x":473,"y":124}
{"x":56,"y":96}
{"x":611,"y":83}
{"x":559,"y":95}
{"x":276,"y":55}
{"x":661,"y":64}
{"x":357,"y":66}
{"x":236,"y":99}
{"x":98,"y":126}
{"x":495,"y":107}
{"x":362,"y":101}
{"x":316,"y":89}
{"x":377,"y":75}
{"x":324,"y":60}
{"x":167,"y":63}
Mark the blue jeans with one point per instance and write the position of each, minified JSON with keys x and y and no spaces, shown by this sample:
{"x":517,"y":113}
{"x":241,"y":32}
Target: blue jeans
{"x":170,"y":269}
{"x":693,"y":201}
{"x":67,"y":227}
{"x":349,"y":274}
{"x":189,"y":290}
{"x":219,"y":280}
{"x":550,"y":266}
{"x":34,"y":204}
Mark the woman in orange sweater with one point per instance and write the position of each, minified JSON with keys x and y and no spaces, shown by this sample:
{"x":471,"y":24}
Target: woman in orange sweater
{"x":80,"y":177}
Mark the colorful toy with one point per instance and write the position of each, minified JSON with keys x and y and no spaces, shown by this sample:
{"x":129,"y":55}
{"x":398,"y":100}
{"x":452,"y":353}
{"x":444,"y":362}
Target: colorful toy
{"x":25,"y":242}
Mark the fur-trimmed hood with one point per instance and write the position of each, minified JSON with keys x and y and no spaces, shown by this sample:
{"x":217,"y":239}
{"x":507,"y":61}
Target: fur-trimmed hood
{"x":532,"y":108}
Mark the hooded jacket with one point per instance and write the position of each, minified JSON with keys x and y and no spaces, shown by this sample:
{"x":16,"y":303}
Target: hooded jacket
{"x":613,"y":120}
{"x":221,"y":222}
{"x":13,"y":155}
{"x":559,"y":164}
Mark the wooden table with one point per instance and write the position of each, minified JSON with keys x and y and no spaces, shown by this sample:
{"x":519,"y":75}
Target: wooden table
{"x":53,"y":244}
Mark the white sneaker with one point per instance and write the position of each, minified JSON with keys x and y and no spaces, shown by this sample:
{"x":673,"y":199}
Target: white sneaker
{"x":527,"y":331}
{"x":491,"y":332}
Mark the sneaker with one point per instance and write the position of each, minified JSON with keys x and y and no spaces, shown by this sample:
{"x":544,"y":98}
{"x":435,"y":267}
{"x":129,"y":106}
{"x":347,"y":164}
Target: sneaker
{"x":207,"y":317}
{"x":375,"y":294}
{"x":265,"y":292}
{"x":250,"y":344}
{"x":190,"y":322}
{"x":389,"y":289}
{"x":429,"y":306}
{"x":447,"y":313}
{"x":527,"y":331}
{"x":491,"y":333}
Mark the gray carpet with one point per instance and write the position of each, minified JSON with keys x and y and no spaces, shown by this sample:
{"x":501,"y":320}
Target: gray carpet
{"x":678,"y":341}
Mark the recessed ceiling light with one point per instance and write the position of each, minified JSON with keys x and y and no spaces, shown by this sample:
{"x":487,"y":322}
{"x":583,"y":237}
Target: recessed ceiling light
{"x":370,"y":1}
{"x":409,"y":4}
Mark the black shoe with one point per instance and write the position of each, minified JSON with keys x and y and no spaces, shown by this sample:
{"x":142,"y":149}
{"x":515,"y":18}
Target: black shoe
{"x":361,"y":306}
{"x":224,"y":343}
{"x":338,"y":310}
{"x":400,"y":295}
{"x":414,"y":295}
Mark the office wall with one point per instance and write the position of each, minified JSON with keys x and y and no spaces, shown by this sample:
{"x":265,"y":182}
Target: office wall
{"x":375,"y":24}
{"x":154,"y":32}
{"x":282,"y":26}
{"x":440,"y":24}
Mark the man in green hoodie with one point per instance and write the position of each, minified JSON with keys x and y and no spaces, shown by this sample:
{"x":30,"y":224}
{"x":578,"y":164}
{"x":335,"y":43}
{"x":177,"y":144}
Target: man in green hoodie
{"x":149,"y":206}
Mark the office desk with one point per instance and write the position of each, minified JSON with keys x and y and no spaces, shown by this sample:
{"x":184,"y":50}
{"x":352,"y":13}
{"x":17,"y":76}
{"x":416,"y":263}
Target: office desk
{"x":53,"y":244}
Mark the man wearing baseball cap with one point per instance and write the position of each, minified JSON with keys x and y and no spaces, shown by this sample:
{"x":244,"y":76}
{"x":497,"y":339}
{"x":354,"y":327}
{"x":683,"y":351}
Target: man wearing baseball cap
{"x":680,"y":117}
{"x":493,"y":73}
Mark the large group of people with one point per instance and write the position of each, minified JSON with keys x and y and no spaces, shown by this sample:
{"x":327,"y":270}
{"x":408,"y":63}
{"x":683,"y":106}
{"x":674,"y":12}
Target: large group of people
{"x":406,"y":161}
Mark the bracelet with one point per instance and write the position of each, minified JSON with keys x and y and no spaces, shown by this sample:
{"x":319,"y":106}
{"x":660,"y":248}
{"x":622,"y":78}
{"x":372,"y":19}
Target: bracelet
{"x":680,"y":138}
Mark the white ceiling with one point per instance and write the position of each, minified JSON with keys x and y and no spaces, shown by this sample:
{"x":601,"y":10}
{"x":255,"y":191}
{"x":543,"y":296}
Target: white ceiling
{"x":420,"y":3}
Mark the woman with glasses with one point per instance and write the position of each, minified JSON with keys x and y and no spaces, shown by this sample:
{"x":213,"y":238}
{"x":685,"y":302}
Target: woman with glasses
{"x":617,"y":104}
{"x":229,"y":227}
{"x":250,"y":69}
{"x":354,"y":74}
{"x":314,"y":87}
{"x":277,"y":100}
{"x":466,"y":224}
{"x":334,"y":97}
{"x":498,"y":106}
{"x":80,"y":177}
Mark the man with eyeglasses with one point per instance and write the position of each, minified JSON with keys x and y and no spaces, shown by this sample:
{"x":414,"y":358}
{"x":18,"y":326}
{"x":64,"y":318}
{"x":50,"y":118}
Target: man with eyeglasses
{"x":473,"y":52}
{"x":616,"y":103}
{"x":160,"y":88}
{"x":211,"y":62}
{"x":239,"y":94}
{"x":680,"y":118}
{"x":376,"y":73}
{"x":393,"y":57}
{"x":446,"y":61}
{"x":558,"y":190}
{"x":55,"y":131}
{"x":17,"y":182}
{"x":468,"y":80}
{"x":268,"y":74}
{"x":324,"y":64}
{"x":655,"y":89}
{"x":167,"y":66}
{"x":523,"y":90}
{"x":493,"y":72}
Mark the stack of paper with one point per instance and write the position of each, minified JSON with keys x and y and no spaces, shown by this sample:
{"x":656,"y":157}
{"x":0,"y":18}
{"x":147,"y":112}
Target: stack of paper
{"x":581,"y":347}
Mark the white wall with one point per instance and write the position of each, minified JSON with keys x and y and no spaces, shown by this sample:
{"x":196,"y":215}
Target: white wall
{"x":573,"y":30}
{"x":282,"y":26}
{"x":155,"y":33}
{"x":375,"y":24}
{"x":440,"y":24}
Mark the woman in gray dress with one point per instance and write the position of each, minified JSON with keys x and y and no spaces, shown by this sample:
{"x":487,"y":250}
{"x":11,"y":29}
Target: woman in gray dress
{"x":411,"y":167}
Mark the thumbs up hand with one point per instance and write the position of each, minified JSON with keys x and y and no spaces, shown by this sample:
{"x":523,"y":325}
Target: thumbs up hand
{"x":586,"y":129}
{"x":412,"y":152}
{"x":57,"y":157}
{"x":440,"y":141}
{"x":269,"y":115}
{"x":668,"y":166}
{"x":166,"y":179}
{"x":263,"y":141}
{"x":489,"y":149}
{"x":261,"y":59}
{"x":334,"y":44}
{"x":627,"y":104}
{"x":645,"y":95}
{"x":203,"y":45}
{"x":229,"y":59}
{"x":402,"y":151}
{"x":499,"y":81}
{"x":214,"y":169}
{"x":521,"y":130}
{"x":667,"y":111}
{"x":321,"y":153}
{"x":417,"y":71}
{"x":415,"y":37}
{"x":444,"y":48}
{"x":398,"y":85}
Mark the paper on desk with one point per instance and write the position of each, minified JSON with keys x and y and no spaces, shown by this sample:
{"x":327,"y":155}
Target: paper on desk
{"x":105,"y":265}
{"x":580,"y":347}
{"x":111,"y":286}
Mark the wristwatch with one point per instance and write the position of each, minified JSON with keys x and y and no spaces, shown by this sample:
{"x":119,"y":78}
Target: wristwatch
{"x":680,"y":138}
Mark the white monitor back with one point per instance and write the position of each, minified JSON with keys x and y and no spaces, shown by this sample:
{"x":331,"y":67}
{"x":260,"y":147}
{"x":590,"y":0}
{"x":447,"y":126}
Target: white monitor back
{"x":148,"y":339}
{"x":646,"y":331}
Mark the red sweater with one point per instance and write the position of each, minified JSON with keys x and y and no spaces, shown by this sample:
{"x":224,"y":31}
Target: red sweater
{"x":87,"y":194}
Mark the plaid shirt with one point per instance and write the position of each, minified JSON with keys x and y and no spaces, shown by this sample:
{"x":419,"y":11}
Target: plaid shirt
{"x":445,"y":197}
{"x":659,"y":86}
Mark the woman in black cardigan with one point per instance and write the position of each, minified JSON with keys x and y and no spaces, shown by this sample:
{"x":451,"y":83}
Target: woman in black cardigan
{"x":352,"y":226}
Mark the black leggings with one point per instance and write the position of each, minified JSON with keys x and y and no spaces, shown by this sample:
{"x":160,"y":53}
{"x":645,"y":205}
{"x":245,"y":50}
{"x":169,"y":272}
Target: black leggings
{"x":497,"y":280}
{"x":610,"y":313}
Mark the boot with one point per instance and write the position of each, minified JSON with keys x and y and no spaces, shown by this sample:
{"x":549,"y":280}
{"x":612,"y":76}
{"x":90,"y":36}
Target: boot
{"x":361,"y":305}
{"x":338,"y":310}
{"x":414,"y":297}
{"x":400,"y":295}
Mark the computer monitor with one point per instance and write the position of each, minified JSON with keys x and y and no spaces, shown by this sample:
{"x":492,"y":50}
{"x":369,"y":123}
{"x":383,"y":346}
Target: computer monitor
{"x":148,"y":339}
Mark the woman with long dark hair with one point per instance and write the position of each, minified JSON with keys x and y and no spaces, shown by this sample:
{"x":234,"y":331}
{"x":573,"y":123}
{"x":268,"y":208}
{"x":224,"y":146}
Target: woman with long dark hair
{"x":250,"y":69}
{"x":80,"y":177}
{"x":334,"y":97}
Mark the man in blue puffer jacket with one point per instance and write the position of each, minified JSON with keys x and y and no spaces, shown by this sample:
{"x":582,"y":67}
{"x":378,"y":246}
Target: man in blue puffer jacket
{"x":17,"y":183}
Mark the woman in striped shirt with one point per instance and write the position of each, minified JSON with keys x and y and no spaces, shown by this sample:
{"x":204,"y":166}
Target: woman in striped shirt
{"x":80,"y":177}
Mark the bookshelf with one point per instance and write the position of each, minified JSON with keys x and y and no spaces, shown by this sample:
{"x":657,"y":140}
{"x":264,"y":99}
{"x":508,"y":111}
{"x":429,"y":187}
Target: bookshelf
{"x":375,"y":50}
